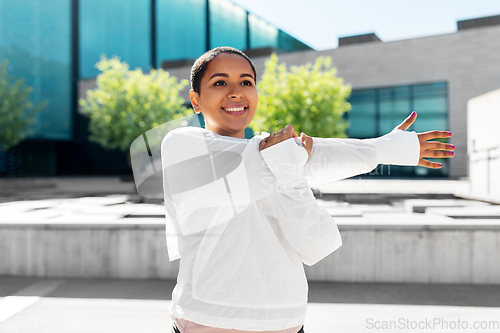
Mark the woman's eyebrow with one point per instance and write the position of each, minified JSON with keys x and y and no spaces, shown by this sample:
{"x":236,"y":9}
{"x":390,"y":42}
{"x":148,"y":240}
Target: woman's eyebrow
{"x":218,"y":74}
{"x":225,"y":75}
{"x":249,"y":75}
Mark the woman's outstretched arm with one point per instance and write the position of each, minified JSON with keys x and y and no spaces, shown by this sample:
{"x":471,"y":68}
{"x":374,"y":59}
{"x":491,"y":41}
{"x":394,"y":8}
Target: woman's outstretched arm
{"x":334,"y":159}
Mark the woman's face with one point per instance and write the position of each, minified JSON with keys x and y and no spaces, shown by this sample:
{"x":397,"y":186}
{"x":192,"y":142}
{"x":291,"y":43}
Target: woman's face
{"x":228,"y":95}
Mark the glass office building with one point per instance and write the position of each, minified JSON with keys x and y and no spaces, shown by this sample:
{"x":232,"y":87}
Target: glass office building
{"x":378,"y":111}
{"x":53,"y":44}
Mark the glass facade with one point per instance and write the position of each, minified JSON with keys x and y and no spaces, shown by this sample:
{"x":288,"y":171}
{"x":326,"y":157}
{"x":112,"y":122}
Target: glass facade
{"x":262,"y":34}
{"x":363,"y":115}
{"x":288,"y":43}
{"x":52,"y":44}
{"x":35,"y":39}
{"x":378,"y":111}
{"x":114,"y":27}
{"x":178,"y":37}
{"x":431,"y":103}
{"x":228,"y":24}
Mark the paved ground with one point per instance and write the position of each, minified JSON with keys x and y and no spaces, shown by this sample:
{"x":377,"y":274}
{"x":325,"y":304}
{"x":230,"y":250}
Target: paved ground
{"x":92,"y":305}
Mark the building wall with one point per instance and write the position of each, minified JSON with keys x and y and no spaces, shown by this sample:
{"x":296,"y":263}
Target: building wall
{"x":484,"y":146}
{"x":467,"y":60}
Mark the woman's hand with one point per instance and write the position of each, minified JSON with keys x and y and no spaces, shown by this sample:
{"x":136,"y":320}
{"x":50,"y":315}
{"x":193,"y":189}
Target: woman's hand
{"x":284,"y":134}
{"x":432,"y":149}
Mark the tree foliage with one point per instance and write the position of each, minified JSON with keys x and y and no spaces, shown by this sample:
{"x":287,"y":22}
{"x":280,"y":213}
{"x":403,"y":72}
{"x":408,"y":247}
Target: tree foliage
{"x":17,"y":112}
{"x":310,"y":97}
{"x":128,"y":103}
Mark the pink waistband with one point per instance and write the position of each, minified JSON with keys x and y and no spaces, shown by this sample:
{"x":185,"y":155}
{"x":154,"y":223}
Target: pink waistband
{"x":185,"y":326}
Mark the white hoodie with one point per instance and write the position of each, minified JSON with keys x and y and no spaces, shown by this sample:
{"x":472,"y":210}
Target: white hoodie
{"x":243,"y":221}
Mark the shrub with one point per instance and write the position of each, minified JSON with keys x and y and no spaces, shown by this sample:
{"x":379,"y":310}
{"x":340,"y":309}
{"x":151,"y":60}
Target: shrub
{"x":17,"y":112}
{"x":128,"y":103}
{"x":310,"y":97}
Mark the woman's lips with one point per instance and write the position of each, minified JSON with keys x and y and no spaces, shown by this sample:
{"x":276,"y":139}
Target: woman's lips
{"x":235,"y":109}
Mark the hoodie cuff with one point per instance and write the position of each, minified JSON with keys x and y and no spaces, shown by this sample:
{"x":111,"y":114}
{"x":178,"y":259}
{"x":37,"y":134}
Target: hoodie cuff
{"x":286,"y":161}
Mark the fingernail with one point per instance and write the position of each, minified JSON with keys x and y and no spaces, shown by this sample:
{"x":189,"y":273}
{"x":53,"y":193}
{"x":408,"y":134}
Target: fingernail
{"x":440,"y":164}
{"x":301,"y":133}
{"x":453,"y":146}
{"x":450,"y":134}
{"x":413,"y":114}
{"x":451,"y":153}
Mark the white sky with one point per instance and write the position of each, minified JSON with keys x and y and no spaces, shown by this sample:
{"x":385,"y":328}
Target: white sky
{"x":319,"y":23}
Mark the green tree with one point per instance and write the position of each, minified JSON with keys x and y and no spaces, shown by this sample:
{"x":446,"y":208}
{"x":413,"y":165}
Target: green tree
{"x":17,"y":112}
{"x":310,"y":97}
{"x":128,"y":103}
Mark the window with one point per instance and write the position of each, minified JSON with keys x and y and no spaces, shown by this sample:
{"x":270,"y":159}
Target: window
{"x":181,"y":29}
{"x":114,"y":27}
{"x":288,"y":43}
{"x":363,"y":116}
{"x":376,"y":112}
{"x":35,"y":39}
{"x":228,"y":24}
{"x":262,"y":34}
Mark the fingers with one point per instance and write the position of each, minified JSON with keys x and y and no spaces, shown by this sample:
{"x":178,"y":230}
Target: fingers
{"x":408,"y":121}
{"x":433,"y":135}
{"x":437,"y":154}
{"x":437,"y":145}
{"x":271,"y":139}
{"x":429,"y":164}
{"x":263,"y":143}
{"x":289,"y":131}
{"x":434,"y":149}
{"x":274,"y":138}
{"x":283,"y":134}
{"x":307,"y":142}
{"x":268,"y":141}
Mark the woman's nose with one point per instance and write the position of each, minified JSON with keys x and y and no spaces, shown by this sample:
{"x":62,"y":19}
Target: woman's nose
{"x":235,"y":91}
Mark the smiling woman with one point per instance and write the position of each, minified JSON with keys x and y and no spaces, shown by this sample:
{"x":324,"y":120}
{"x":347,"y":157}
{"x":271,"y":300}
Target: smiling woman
{"x":240,"y":214}
{"x":229,"y":99}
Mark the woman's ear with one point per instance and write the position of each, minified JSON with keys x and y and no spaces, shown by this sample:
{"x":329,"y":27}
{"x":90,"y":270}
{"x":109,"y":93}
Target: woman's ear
{"x":193,"y":96}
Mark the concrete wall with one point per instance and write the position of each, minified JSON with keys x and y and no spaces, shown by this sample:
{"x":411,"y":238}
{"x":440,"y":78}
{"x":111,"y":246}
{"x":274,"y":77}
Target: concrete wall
{"x":417,"y":255}
{"x":94,"y":251}
{"x":468,"y":60}
{"x":484,"y":145}
{"x":406,"y":254}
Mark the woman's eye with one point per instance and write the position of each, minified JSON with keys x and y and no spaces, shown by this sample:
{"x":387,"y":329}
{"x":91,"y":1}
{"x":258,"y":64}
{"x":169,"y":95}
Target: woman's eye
{"x":220,"y":83}
{"x":246,"y":83}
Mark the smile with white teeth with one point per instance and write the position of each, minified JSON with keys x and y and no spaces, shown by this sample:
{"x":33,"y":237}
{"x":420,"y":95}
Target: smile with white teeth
{"x":234,"y":109}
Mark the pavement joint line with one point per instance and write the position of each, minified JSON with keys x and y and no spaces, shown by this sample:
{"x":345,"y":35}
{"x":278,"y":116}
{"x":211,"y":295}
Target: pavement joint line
{"x":26,"y":297}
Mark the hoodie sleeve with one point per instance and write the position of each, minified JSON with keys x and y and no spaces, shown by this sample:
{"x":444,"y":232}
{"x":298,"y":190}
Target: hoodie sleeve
{"x":334,"y":159}
{"x":310,"y":230}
